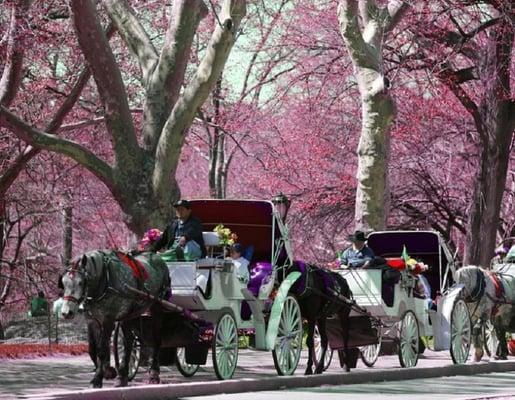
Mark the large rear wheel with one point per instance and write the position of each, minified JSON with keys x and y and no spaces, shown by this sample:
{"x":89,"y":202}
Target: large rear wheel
{"x":119,"y":349}
{"x":408,"y":340}
{"x":225,"y":346}
{"x":288,"y":343}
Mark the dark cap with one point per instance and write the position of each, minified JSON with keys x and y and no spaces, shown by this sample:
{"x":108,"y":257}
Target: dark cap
{"x":358,"y":236}
{"x":182,"y":203}
{"x":237,"y":247}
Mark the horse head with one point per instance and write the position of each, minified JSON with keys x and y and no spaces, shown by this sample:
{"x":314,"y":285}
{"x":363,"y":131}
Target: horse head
{"x":473,"y":280}
{"x":75,"y":281}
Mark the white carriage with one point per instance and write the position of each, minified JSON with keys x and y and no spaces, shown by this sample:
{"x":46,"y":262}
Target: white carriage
{"x":211,"y":306}
{"x":405,"y":313}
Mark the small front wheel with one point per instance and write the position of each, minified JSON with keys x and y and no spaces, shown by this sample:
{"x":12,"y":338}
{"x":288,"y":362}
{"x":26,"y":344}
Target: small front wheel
{"x":461,"y":331}
{"x":225,"y":346}
{"x":318,"y":350}
{"x":369,"y":354}
{"x":119,"y":351}
{"x":490,"y":339}
{"x":408,"y":340}
{"x":186,"y":370}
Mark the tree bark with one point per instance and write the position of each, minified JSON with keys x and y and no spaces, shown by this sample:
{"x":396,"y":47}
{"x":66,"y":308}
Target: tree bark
{"x":363,"y":26}
{"x":496,"y":129}
{"x":67,"y":227}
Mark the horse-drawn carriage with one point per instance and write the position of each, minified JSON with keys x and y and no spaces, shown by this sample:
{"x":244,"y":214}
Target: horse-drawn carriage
{"x":399,"y":306}
{"x":211,"y":305}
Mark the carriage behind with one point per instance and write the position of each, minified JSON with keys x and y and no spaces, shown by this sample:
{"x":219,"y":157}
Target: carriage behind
{"x":397,"y":306}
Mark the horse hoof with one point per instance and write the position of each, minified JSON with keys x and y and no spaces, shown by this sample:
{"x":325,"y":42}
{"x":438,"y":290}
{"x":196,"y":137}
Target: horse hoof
{"x":347,"y":368}
{"x":319,"y":371}
{"x":96,"y":385}
{"x":110,"y":373}
{"x":153,"y":381}
{"x":308,"y":371}
{"x":501,"y":357}
{"x":121,"y":382}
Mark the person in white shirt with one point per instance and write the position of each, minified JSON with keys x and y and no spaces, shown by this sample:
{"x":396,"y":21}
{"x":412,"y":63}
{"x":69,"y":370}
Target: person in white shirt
{"x":241,"y":264}
{"x":58,"y":305}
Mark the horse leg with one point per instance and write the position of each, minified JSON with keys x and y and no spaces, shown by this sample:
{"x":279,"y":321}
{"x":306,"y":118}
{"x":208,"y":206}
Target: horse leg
{"x":323,"y":342}
{"x":103,"y":352}
{"x":502,"y":348}
{"x":345,"y":320}
{"x":93,"y":330}
{"x":153,"y":372}
{"x":477,"y":340}
{"x":128,"y":340}
{"x":310,"y":342}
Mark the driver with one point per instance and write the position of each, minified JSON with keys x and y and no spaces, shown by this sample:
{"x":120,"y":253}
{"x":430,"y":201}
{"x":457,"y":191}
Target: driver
{"x":358,"y":255}
{"x":184,"y":233}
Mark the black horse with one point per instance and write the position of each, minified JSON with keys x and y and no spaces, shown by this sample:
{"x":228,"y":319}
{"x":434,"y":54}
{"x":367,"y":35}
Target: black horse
{"x":100,"y":279}
{"x":321,"y":293}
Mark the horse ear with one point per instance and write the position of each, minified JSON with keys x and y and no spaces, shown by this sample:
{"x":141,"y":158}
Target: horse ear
{"x":84,"y":261}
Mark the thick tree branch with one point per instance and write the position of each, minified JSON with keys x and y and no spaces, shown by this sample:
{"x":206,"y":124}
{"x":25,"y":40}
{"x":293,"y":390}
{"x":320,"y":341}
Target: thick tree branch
{"x":134,"y":35}
{"x":108,"y":78}
{"x":165,"y":82}
{"x":13,"y":69}
{"x":351,"y":32}
{"x":51,"y":142}
{"x":208,"y":71}
{"x":393,"y":13}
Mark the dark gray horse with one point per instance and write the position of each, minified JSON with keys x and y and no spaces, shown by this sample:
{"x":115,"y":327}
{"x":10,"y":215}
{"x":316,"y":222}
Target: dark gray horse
{"x":99,"y":279}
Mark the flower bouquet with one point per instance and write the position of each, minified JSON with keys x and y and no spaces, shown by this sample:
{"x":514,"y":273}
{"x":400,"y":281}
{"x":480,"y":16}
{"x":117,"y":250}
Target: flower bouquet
{"x":150,"y":237}
{"x":227,"y":238}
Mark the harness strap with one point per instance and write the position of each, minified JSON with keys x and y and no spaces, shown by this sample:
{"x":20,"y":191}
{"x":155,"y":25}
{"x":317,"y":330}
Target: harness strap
{"x":499,"y":288}
{"x":138,"y":269}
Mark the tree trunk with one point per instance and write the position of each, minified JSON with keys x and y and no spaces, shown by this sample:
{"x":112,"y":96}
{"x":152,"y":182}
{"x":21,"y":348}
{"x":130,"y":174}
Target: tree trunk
{"x":67,"y":226}
{"x":372,"y":193}
{"x":363,"y":26}
{"x":497,"y":124}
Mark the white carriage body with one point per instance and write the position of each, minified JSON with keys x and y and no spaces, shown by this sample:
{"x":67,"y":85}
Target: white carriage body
{"x":367,"y":284}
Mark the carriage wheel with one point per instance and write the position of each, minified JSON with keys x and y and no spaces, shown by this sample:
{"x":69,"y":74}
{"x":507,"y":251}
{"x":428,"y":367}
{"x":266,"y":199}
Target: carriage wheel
{"x":408,"y":340}
{"x":318,"y":350}
{"x":369,"y":354}
{"x":461,"y":331}
{"x":288,"y":343}
{"x":490,"y":339}
{"x":119,"y":348}
{"x":225,"y":346}
{"x":184,"y":368}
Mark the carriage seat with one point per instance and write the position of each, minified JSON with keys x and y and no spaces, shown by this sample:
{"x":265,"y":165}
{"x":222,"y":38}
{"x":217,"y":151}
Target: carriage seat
{"x":211,"y":241}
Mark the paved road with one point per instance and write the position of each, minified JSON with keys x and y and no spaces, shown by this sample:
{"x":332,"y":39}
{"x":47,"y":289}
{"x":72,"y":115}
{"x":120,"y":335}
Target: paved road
{"x":497,"y":385}
{"x":24,"y":379}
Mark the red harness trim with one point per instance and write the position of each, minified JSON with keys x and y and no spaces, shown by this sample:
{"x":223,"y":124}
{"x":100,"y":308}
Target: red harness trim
{"x":499,"y":290}
{"x":71,"y":298}
{"x":138,"y":269}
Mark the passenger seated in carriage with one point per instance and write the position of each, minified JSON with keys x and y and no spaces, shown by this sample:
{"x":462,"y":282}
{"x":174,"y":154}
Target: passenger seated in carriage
{"x":183,"y":235}
{"x":358,"y":255}
{"x":241,"y":264}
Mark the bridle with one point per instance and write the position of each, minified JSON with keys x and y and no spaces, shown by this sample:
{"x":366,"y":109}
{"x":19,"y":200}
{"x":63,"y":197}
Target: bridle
{"x":72,"y":271}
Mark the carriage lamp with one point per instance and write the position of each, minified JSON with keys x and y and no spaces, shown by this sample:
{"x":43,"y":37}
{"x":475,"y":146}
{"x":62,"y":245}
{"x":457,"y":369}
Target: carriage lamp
{"x":282,"y":204}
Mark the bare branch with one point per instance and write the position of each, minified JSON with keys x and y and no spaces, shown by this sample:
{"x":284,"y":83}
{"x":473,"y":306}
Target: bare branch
{"x":134,"y":35}
{"x":108,"y":78}
{"x":197,"y":91}
{"x":166,"y":81}
{"x":51,"y":142}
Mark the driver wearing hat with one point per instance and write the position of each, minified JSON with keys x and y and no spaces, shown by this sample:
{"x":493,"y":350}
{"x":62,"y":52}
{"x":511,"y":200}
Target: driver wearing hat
{"x":358,"y":255}
{"x":185,"y":232}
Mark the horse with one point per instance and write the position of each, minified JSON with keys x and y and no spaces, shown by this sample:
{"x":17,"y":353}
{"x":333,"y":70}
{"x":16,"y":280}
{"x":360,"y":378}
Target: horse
{"x":99,"y":280}
{"x":489,"y":296}
{"x":316,"y":293}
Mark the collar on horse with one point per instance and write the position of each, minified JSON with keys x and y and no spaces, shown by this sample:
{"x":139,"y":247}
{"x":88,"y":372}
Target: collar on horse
{"x":479,"y":290}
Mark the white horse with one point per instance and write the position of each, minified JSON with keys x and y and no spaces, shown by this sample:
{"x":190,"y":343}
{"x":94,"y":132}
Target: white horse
{"x":489,"y":296}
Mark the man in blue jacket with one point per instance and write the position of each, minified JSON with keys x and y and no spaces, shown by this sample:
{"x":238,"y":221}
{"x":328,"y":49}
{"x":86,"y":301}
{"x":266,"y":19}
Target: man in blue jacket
{"x":358,"y":255}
